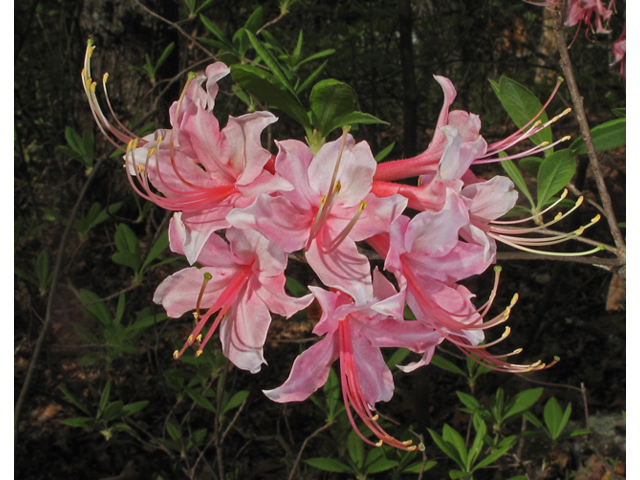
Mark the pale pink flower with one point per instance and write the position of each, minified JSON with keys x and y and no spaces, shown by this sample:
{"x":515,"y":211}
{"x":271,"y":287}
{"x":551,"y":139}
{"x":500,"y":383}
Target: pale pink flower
{"x":242,"y":281}
{"x":328,"y":211}
{"x":592,"y":13}
{"x":354,"y":334}
{"x":619,"y":49}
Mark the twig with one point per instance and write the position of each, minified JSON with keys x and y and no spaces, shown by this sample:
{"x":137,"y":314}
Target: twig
{"x":177,"y":27}
{"x":609,"y":264}
{"x":586,"y":404}
{"x":304,"y":444}
{"x":50,"y":300}
{"x":559,"y":14}
{"x":233,"y":420}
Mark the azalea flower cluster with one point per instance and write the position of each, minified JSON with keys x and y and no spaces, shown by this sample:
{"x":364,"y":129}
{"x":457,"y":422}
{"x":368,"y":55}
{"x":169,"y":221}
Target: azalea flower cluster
{"x":241,"y":211}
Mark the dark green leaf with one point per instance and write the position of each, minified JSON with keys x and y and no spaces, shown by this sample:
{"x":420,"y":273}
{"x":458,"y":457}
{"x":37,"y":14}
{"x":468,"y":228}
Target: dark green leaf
{"x":311,"y":78}
{"x":582,"y":431}
{"x":160,"y":246}
{"x":113,"y":410}
{"x":455,"y":439}
{"x":78,"y":421}
{"x":201,"y":400}
{"x":104,"y":399}
{"x":165,"y":54}
{"x":96,"y":306}
{"x":263,"y":86}
{"x":446,"y":447}
{"x":173,"y":431}
{"x":132,"y":408}
{"x":398,"y":356}
{"x":553,"y":417}
{"x":355,"y":447}
{"x":417,"y":467}
{"x":470,"y":401}
{"x":384,"y":152}
{"x":328,"y":464}
{"x":506,"y":444}
{"x":316,"y":56}
{"x":330,"y":101}
{"x":271,"y":62}
{"x":295,"y":287}
{"x":354,"y":118}
{"x":120,"y":309}
{"x":75,"y":401}
{"x":522,"y":401}
{"x":516,"y":177}
{"x":440,"y":362}
{"x":609,"y":135}
{"x":530,"y":165}
{"x":555,"y":172}
{"x":90,"y":359}
{"x":255,"y":21}
{"x":620,"y":112}
{"x":381,"y":465}
{"x":235,"y":401}
{"x":213,"y":28}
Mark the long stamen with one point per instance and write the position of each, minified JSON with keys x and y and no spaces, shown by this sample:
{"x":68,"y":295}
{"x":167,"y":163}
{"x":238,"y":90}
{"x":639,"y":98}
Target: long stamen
{"x":346,"y":230}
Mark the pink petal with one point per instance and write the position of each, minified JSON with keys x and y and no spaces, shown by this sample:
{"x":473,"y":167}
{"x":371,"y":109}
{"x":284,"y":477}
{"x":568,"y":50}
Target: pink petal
{"x":374,"y":376}
{"x":309,"y":372}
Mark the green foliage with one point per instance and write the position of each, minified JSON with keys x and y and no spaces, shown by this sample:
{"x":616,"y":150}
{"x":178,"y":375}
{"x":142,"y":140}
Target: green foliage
{"x":453,"y":445}
{"x":150,"y":68}
{"x":607,"y":136}
{"x":43,"y":273}
{"x":474,"y":369}
{"x":129,"y":252}
{"x":80,"y":148}
{"x":555,"y":421}
{"x":107,"y":413}
{"x":522,"y":106}
{"x":95,"y":216}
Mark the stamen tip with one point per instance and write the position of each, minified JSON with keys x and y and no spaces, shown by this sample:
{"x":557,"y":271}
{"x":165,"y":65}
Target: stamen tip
{"x":497,"y":269}
{"x":566,"y":138}
{"x":566,"y":111}
{"x":375,"y":418}
{"x":514,"y":299}
{"x":207,"y":276}
{"x":517,"y":351}
{"x":190,"y":340}
{"x":105,"y":77}
{"x":198,"y":353}
{"x":379,"y":443}
{"x":565,"y":192}
{"x":199,"y":339}
{"x":596,"y":218}
{"x":176,"y":354}
{"x":560,"y":79}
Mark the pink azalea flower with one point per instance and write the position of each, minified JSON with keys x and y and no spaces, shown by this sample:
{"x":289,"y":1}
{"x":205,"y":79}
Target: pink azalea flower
{"x":592,"y":13}
{"x":354,"y":334}
{"x":619,"y":49}
{"x":201,"y":170}
{"x":242,"y":281}
{"x":467,"y":124}
{"x":427,"y":258}
{"x":328,"y":211}
{"x":195,"y":167}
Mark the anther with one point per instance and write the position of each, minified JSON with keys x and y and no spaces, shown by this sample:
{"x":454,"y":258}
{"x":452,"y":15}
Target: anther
{"x":497,"y":269}
{"x":514,"y":299}
{"x":413,"y":448}
{"x":566,"y":138}
{"x":517,"y":351}
{"x":190,"y":340}
{"x":379,"y":443}
{"x":507,"y":331}
{"x":596,"y":218}
{"x":176,"y":354}
{"x":105,"y":77}
{"x":579,"y":201}
{"x":198,"y":353}
{"x":199,"y":338}
{"x":375,"y":418}
{"x":406,"y":443}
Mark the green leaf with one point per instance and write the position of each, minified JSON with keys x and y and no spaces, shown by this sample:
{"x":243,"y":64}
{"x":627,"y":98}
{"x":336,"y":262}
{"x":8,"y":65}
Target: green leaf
{"x":316,"y":56}
{"x":609,"y":135}
{"x":384,"y":152}
{"x":446,"y":447}
{"x":295,"y":287}
{"x":328,"y":464}
{"x":382,"y":464}
{"x":165,"y":54}
{"x":78,"y":421}
{"x":354,"y":118}
{"x":96,"y":306}
{"x":530,"y":165}
{"x":90,"y":359}
{"x":516,"y":177}
{"x":158,"y":248}
{"x":417,"y":467}
{"x":135,"y":407}
{"x":119,"y":309}
{"x":331,"y":391}
{"x":455,"y":439}
{"x":173,"y":431}
{"x":271,"y":62}
{"x":311,"y":78}
{"x":355,"y":446}
{"x":235,"y":401}
{"x":398,"y":357}
{"x":455,"y":474}
{"x":554,"y":418}
{"x":74,"y":140}
{"x":440,"y":362}
{"x":522,"y":106}
{"x":201,"y":400}
{"x":85,"y":334}
{"x":199,"y":435}
{"x":113,"y":410}
{"x":521,"y":402}
{"x":104,"y":398}
{"x":555,"y":172}
{"x":213,"y":28}
{"x":255,"y":21}
{"x":478,"y":442}
{"x":330,"y":101}
{"x":263,"y":86}
{"x":620,"y":112}
{"x":506,"y":444}
{"x":74,"y":400}
{"x":532,"y":419}
{"x":470,"y":401}
{"x":581,"y":431}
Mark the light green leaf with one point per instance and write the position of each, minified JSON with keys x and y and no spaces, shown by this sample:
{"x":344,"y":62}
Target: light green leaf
{"x":440,"y":362}
{"x":330,"y":101}
{"x":517,"y":178}
{"x":384,"y":152}
{"x":522,"y":401}
{"x":530,"y":165}
{"x":454,"y":438}
{"x":398,"y":357}
{"x":213,"y":28}
{"x":271,"y":62}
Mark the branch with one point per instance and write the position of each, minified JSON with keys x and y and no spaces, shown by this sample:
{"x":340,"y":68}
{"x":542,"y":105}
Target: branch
{"x":609,"y":264}
{"x":50,"y":299}
{"x":565,"y":62}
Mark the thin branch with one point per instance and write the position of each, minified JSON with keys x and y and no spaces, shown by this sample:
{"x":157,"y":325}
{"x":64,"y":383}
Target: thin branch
{"x":177,"y":27}
{"x":565,"y":62}
{"x":609,"y":264}
{"x":304,"y":445}
{"x":50,"y":300}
